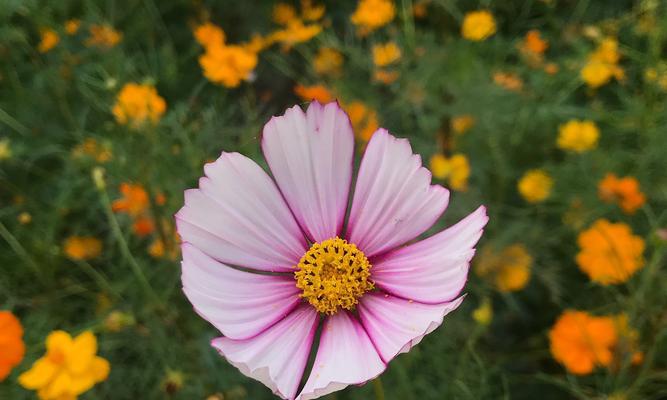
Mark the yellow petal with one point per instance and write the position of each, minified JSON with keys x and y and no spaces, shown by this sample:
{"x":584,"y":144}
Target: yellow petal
{"x":39,"y":375}
{"x":59,"y":341}
{"x":81,"y":355}
{"x":60,"y":385}
{"x":100,"y":369}
{"x":82,"y":383}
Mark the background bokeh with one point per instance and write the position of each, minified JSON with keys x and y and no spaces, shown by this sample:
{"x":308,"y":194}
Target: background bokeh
{"x":92,"y":170}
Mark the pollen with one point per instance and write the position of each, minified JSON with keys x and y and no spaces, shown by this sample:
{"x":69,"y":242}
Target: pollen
{"x":333,"y":274}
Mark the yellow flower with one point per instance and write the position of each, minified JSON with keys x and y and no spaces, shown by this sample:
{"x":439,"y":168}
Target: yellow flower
{"x":328,"y":61}
{"x":455,"y":169}
{"x":228,"y":65}
{"x":49,"y":40}
{"x":103,"y":36}
{"x":82,"y":247}
{"x":509,"y":269}
{"x":69,"y":368}
{"x":364,"y":119}
{"x":478,"y":25}
{"x":535,"y":186}
{"x":602,"y":64}
{"x":610,"y":254}
{"x":5,"y":149}
{"x":283,"y":13}
{"x":24,"y":218}
{"x":460,"y":124}
{"x":296,"y":32}
{"x":484,"y":313}
{"x":578,"y":136}
{"x":208,"y":34}
{"x":385,"y":54}
{"x":372,"y":14}
{"x":72,"y":26}
{"x":137,"y":104}
{"x":309,"y":12}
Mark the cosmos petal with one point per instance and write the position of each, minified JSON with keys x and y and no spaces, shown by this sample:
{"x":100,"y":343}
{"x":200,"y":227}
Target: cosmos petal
{"x":395,"y":325}
{"x":240,"y":304}
{"x":346,"y":356}
{"x":238,"y":216}
{"x":277,"y":357}
{"x":310,"y":155}
{"x":394,"y":200}
{"x":433,"y":270}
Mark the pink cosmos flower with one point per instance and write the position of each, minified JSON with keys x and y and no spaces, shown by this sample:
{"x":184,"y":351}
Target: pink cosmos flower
{"x":267,"y":260}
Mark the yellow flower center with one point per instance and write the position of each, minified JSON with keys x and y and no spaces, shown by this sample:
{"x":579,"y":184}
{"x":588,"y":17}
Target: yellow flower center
{"x":56,"y":356}
{"x":333,"y":274}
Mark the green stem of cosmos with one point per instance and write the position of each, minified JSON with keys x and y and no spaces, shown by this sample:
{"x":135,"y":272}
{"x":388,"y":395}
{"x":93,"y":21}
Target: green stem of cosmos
{"x":378,"y":389}
{"x":124,"y":248}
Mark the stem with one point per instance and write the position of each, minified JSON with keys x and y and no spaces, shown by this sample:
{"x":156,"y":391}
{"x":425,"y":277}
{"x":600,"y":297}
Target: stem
{"x":124,"y":248}
{"x":378,"y":389}
{"x":20,"y":251}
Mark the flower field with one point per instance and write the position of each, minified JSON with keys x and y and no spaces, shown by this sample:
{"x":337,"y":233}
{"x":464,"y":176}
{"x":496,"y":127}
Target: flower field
{"x":121,"y":281}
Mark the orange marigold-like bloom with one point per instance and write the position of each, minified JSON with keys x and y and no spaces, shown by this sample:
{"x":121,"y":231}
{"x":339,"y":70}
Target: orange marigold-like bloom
{"x":69,"y":368}
{"x":508,"y":269}
{"x":610,"y":253}
{"x":82,"y":247}
{"x":283,"y":13}
{"x":508,"y":80}
{"x":103,"y":36}
{"x":624,"y":190}
{"x":143,"y":226}
{"x":12,"y":348}
{"x":49,"y":40}
{"x":314,"y":92}
{"x":535,"y":185}
{"x":296,"y":32}
{"x":134,"y":201}
{"x":328,"y":61}
{"x":373,"y":14}
{"x":310,"y":12}
{"x":137,"y":104}
{"x":364,"y":119}
{"x":460,"y":124}
{"x":72,"y":26}
{"x":534,"y":43}
{"x":385,"y":54}
{"x":478,"y":25}
{"x":228,"y":65}
{"x":385,"y":76}
{"x":208,"y":34}
{"x":581,"y":341}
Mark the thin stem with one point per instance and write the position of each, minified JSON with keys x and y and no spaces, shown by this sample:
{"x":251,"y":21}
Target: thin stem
{"x":124,"y":248}
{"x":378,"y":389}
{"x":20,"y":251}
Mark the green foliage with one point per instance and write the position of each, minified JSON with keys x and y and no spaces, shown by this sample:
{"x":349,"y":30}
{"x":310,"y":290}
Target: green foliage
{"x":52,"y":102}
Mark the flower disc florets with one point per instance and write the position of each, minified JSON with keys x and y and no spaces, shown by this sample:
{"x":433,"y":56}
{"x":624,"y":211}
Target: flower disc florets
{"x":333,"y":274}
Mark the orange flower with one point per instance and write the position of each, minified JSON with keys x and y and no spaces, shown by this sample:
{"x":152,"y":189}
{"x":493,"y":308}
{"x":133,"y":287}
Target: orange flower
{"x":228,"y":65}
{"x":12,"y":348}
{"x":103,"y":36}
{"x":534,"y":43}
{"x":143,"y":226}
{"x":581,"y":341}
{"x":314,"y":92}
{"x":385,"y":76}
{"x":508,"y":269}
{"x":372,"y":14}
{"x":364,"y":120}
{"x":296,"y":32}
{"x":82,"y":247}
{"x":625,"y":191}
{"x":136,"y":104}
{"x":508,"y":80}
{"x":328,"y":61}
{"x":134,"y":201}
{"x":609,"y":253}
{"x":50,"y":39}
{"x":208,"y":34}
